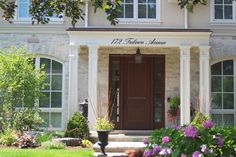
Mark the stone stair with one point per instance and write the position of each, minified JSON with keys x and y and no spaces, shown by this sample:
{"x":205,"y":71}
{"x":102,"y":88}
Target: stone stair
{"x":121,"y":141}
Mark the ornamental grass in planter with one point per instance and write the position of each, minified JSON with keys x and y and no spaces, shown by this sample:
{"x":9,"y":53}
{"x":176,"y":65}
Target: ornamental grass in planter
{"x":200,"y":139}
{"x":103,"y":127}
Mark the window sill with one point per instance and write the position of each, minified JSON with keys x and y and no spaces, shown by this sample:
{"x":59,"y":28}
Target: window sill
{"x":28,"y":21}
{"x":221,"y":22}
{"x":139,"y":21}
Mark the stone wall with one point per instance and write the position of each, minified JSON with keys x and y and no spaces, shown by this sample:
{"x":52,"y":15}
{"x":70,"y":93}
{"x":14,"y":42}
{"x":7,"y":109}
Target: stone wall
{"x":53,"y":46}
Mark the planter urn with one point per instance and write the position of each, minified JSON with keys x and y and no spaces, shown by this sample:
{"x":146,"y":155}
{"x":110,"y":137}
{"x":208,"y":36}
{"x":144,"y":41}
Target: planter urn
{"x":103,"y":140}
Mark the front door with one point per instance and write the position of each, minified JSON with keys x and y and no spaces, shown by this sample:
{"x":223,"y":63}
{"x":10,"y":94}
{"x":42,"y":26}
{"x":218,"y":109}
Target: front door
{"x":136,"y":92}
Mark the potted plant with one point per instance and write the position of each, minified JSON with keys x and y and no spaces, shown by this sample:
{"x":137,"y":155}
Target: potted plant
{"x":103,"y":127}
{"x":173,"y":111}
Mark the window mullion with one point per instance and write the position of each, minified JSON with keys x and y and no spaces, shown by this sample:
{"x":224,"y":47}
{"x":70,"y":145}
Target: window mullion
{"x":135,"y":12}
{"x":234,"y":65}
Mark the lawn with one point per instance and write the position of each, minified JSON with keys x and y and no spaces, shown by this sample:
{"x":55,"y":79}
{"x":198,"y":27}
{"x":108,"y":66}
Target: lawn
{"x":12,"y":152}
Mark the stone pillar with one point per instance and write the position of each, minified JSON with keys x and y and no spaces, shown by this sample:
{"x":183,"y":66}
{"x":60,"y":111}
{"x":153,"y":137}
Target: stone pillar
{"x":92,"y":85}
{"x":184,"y":85}
{"x":73,"y":80}
{"x":204,"y":80}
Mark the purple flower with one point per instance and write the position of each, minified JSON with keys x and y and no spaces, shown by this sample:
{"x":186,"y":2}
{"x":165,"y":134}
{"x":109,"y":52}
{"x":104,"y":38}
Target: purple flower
{"x":208,"y":124}
{"x":183,"y":155}
{"x":156,"y":149}
{"x":177,"y":127}
{"x":197,"y":154}
{"x":165,"y":151}
{"x":147,"y":153}
{"x":166,"y":139}
{"x":191,"y":131}
{"x":145,"y":141}
{"x":220,"y":140}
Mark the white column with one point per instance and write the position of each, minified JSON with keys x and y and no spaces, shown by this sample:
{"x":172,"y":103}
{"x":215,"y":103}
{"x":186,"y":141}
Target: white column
{"x":73,"y":80}
{"x":92,"y":85}
{"x":204,"y":79}
{"x":184,"y":85}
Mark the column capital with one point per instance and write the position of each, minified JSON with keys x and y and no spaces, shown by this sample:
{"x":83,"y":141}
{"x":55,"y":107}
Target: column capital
{"x":204,"y":48}
{"x":185,"y":51}
{"x":93,"y":47}
{"x":74,"y":50}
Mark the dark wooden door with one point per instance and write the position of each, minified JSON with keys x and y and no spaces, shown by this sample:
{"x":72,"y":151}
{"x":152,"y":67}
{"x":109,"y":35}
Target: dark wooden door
{"x":137,"y":93}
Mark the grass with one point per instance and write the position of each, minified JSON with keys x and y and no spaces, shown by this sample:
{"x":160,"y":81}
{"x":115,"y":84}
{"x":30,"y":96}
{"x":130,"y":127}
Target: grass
{"x":14,"y":152}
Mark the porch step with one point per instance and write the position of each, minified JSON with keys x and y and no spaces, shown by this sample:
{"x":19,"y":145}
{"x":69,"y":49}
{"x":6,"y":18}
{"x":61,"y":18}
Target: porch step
{"x":110,"y":155}
{"x":120,"y":147}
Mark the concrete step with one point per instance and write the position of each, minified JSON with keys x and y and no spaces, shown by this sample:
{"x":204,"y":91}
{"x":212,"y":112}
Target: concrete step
{"x":110,"y":155}
{"x":115,"y":147}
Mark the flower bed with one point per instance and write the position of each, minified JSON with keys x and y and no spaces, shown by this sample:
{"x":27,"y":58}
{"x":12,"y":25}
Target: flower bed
{"x":194,"y":140}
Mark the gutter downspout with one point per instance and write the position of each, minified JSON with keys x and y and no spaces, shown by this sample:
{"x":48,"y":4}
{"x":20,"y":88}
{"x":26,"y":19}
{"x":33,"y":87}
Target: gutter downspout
{"x":185,"y":18}
{"x":86,"y":14}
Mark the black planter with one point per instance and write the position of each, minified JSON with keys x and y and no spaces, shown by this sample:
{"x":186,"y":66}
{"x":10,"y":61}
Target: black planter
{"x":103,"y":139}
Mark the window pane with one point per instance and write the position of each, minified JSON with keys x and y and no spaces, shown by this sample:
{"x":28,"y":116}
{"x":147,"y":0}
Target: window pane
{"x":56,"y":82}
{"x":129,"y":1}
{"x":216,"y":101}
{"x":44,"y":101}
{"x":218,"y":12}
{"x":45,"y":63}
{"x":141,"y":1}
{"x":228,"y":101}
{"x":121,"y":14}
{"x":228,"y":1}
{"x":47,"y":81}
{"x":129,"y":11}
{"x":218,"y":1}
{"x":152,"y":1}
{"x":141,"y":11}
{"x":23,"y":9}
{"x":56,"y":119}
{"x":216,"y":84}
{"x":56,"y":100}
{"x":228,"y":10}
{"x":228,"y":120}
{"x":228,"y":84}
{"x":217,"y":118}
{"x":151,"y":10}
{"x":228,"y":68}
{"x":216,"y":69}
{"x":45,"y":117}
{"x":56,"y":67}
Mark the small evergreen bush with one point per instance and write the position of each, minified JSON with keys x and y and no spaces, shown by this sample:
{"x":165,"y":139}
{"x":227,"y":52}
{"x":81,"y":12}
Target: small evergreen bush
{"x":53,"y":145}
{"x":77,"y":127}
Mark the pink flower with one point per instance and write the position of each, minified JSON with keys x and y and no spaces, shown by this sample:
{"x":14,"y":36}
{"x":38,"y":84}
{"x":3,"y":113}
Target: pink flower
{"x":191,"y":131}
{"x":197,"y":154}
{"x":147,"y":153}
{"x":145,"y":141}
{"x":183,"y":155}
{"x":208,"y":124}
{"x":166,"y":139}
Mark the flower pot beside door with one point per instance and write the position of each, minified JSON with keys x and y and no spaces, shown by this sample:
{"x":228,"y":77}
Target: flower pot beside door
{"x":103,"y":127}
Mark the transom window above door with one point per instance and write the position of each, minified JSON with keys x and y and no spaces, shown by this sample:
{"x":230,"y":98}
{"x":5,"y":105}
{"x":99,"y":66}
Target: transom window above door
{"x":140,"y":10}
{"x":223,"y":10}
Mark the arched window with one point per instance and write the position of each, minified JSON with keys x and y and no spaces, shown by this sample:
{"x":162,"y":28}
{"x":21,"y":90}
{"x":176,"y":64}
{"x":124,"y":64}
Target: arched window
{"x":223,"y":93}
{"x":51,"y":101}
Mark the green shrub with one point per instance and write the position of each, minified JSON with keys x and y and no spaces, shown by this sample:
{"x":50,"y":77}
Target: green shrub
{"x":86,"y":143}
{"x":77,"y":127}
{"x":47,"y":136}
{"x":53,"y":145}
{"x":8,"y":137}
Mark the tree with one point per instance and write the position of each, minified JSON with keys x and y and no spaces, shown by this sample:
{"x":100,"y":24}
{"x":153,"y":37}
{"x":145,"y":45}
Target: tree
{"x":20,"y":88}
{"x":42,"y":10}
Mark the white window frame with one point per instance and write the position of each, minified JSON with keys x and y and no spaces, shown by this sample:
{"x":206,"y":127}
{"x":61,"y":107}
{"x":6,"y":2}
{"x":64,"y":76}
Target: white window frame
{"x":227,"y":111}
{"x":222,"y":21}
{"x":136,"y":20}
{"x":19,"y":20}
{"x":63,"y":107}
